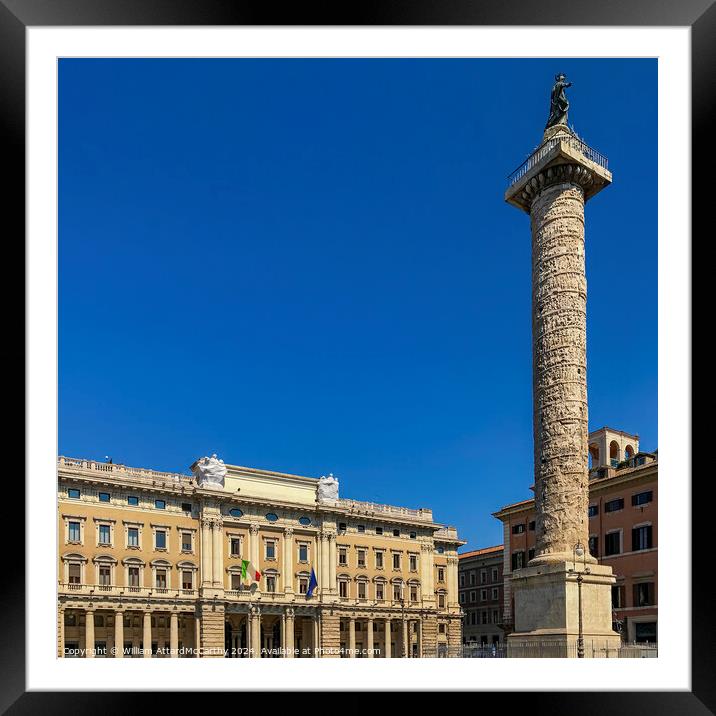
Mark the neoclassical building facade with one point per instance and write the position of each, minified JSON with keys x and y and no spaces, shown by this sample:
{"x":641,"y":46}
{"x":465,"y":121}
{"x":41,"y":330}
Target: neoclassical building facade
{"x":155,"y":564}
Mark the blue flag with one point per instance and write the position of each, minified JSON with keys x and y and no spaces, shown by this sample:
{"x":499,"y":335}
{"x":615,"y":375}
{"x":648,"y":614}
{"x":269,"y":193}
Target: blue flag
{"x":312,"y":584}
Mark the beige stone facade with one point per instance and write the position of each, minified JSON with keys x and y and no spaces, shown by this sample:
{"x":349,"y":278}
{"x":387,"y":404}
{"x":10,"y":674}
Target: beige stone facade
{"x":149,"y":564}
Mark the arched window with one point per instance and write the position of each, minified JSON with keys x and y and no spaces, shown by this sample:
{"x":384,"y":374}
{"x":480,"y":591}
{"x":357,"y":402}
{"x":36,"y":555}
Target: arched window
{"x":614,"y":453}
{"x":628,"y":452}
{"x":594,"y":455}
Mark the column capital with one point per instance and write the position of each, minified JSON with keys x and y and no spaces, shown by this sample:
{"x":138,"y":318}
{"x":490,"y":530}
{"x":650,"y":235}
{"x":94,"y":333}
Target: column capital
{"x":290,"y":612}
{"x":288,"y":532}
{"x":254,"y":528}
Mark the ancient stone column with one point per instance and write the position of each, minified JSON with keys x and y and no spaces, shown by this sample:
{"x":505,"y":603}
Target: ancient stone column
{"x":387,"y":639}
{"x":173,"y":634}
{"x":89,"y":634}
{"x":369,"y":627}
{"x":290,"y":641}
{"x":206,"y":560}
{"x":553,"y":186}
{"x":288,"y":560}
{"x":147,"y":635}
{"x":351,"y":637}
{"x":119,"y":634}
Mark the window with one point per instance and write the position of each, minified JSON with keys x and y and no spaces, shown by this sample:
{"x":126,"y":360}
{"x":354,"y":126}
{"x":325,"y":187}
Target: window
{"x":642,"y":498}
{"x":379,"y":530}
{"x":343,"y":589}
{"x":617,"y":596}
{"x":483,"y":595}
{"x":397,"y":591}
{"x":271,"y":583}
{"x":105,"y":576}
{"x":614,"y":505}
{"x":303,"y":585}
{"x":133,"y":537}
{"x":473,"y":579}
{"x":104,"y":534}
{"x":462,"y":580}
{"x":644,"y":594}
{"x":645,"y":632}
{"x":612,"y":543}
{"x":236,"y":512}
{"x":593,"y":510}
{"x":361,"y":558}
{"x":270,"y":549}
{"x":160,"y":539}
{"x":74,"y":571}
{"x":161,"y":578}
{"x":396,"y":560}
{"x":530,"y":554}
{"x":132,"y":500}
{"x":413,"y":562}
{"x":641,"y":538}
{"x":462,"y":598}
{"x":73,"y":531}
{"x":305,"y":521}
{"x":235,"y":581}
{"x":362,"y":591}
{"x":186,"y":541}
{"x":271,"y":516}
{"x":73,"y":493}
{"x":160,"y":504}
{"x":483,"y":576}
{"x":235,"y":546}
{"x":495,"y":574}
{"x":342,"y":526}
{"x":532,"y":526}
{"x":133,"y":573}
{"x":413,"y":593}
{"x":343,"y":556}
{"x":518,"y":560}
{"x":440,"y":549}
{"x":379,"y":591}
{"x":518,"y":529}
{"x":379,"y":560}
{"x":413,"y":535}
{"x":441,"y":574}
{"x":594,"y":546}
{"x":302,"y":552}
{"x":103,"y":496}
{"x":494,"y":593}
{"x":186,"y":506}
{"x":396,"y":533}
{"x":441,"y":605}
{"x":361,"y":528}
{"x":441,"y":627}
{"x":473,"y":596}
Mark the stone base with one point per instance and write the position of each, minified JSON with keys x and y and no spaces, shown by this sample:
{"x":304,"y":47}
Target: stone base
{"x":330,"y":635}
{"x":212,"y":630}
{"x":547,"y":610}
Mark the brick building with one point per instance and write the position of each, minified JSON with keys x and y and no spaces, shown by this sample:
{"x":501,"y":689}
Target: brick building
{"x":481,"y":595}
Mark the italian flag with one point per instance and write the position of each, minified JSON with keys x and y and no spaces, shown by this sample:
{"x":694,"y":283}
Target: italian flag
{"x":248,"y":570}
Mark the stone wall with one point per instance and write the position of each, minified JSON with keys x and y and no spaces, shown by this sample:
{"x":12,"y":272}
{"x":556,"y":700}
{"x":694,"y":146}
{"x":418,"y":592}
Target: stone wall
{"x":212,"y":630}
{"x":330,"y":635}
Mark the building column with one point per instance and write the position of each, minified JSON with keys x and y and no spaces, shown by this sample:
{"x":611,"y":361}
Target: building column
{"x":254,"y":544}
{"x":370,"y":638}
{"x":387,"y":639}
{"x":333,"y":563}
{"x":89,"y":634}
{"x":173,"y":635}
{"x":351,"y":637}
{"x":61,"y":632}
{"x":118,"y":634}
{"x":197,"y":636}
{"x":288,"y":560}
{"x":147,"y":635}
{"x":419,"y":630}
{"x":404,"y":637}
{"x":316,"y":645}
{"x":325,"y":564}
{"x":290,"y":641}
{"x":205,"y":553}
{"x":255,"y":633}
{"x":216,"y":556}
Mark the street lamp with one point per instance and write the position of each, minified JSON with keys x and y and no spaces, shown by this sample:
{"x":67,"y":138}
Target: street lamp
{"x":579,"y":553}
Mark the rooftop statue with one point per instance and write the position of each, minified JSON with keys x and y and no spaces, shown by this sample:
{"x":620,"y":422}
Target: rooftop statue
{"x":327,"y":488}
{"x":559,"y":104}
{"x":210,"y":471}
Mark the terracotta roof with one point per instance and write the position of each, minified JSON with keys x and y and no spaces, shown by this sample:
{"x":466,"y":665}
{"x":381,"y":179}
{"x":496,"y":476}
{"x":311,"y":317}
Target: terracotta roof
{"x":484,"y":550}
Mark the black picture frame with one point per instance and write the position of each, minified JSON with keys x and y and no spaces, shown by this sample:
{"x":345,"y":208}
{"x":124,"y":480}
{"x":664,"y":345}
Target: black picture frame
{"x":699,"y":15}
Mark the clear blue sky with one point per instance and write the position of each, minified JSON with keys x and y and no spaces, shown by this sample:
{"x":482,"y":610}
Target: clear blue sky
{"x":308,"y":266}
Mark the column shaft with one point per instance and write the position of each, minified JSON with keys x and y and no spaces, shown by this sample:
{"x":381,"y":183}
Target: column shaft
{"x":147,"y":635}
{"x":89,"y":634}
{"x":369,"y":640}
{"x":173,"y":634}
{"x":387,"y":639}
{"x":351,"y":637}
{"x":118,"y":634}
{"x":206,"y":550}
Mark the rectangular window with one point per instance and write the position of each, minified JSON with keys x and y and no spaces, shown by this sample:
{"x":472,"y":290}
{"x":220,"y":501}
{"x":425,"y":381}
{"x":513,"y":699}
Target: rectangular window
{"x":104,"y":534}
{"x":303,"y":585}
{"x":160,"y":504}
{"x":235,"y":581}
{"x":441,"y":605}
{"x":343,"y":589}
{"x":361,"y":528}
{"x":612,"y":543}
{"x":132,"y":500}
{"x":361,"y":558}
{"x":413,"y":535}
{"x":397,"y":592}
{"x":473,"y":578}
{"x":379,"y":591}
{"x":413,"y":593}
{"x":186,"y":541}
{"x":133,"y":576}
{"x":160,"y":539}
{"x":104,"y":576}
{"x":483,"y":595}
{"x":379,"y":530}
{"x":342,"y":526}
{"x":494,"y":593}
{"x":362,"y":590}
{"x":594,"y":546}
{"x":161,"y":578}
{"x":271,"y":584}
{"x":641,"y":538}
{"x":644,"y":594}
{"x":643,"y":498}
{"x":379,"y":560}
{"x":495,"y":574}
{"x":518,"y":529}
{"x":473,"y":596}
{"x":483,"y":576}
{"x":593,"y":510}
{"x":302,"y":552}
{"x":133,"y":537}
{"x":186,"y":579}
{"x":73,"y":532}
{"x":104,"y":496}
{"x":413,"y":562}
{"x":617,"y":596}
{"x":186,"y":506}
{"x":518,"y":560}
{"x":74,"y":573}
{"x":614,"y":505}
{"x":530,"y":554}
{"x":73,"y":493}
{"x":235,"y":546}
{"x":343,"y":556}
{"x":270,"y":549}
{"x":533,"y":525}
{"x":396,"y":533}
{"x":441,"y":574}
{"x":396,"y":560}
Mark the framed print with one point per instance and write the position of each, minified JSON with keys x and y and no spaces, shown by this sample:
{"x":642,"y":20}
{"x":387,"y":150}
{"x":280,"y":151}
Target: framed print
{"x":358,"y":335}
